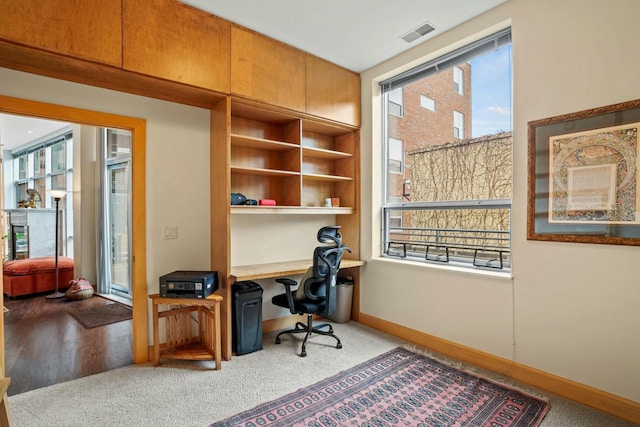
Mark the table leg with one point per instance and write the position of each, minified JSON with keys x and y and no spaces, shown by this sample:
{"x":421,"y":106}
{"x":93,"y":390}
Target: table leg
{"x":4,"y":403}
{"x":156,"y":336}
{"x":218,"y":338}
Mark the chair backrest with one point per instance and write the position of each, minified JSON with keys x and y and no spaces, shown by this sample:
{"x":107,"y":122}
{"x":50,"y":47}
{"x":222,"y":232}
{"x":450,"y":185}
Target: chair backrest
{"x":326,"y":263}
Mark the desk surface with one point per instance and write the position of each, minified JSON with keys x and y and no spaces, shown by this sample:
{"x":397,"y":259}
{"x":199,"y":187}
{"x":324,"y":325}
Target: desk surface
{"x":280,"y":269}
{"x":210,"y":300}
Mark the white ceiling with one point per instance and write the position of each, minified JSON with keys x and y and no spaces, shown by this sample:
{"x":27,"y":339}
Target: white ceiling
{"x":355,"y":34}
{"x":18,"y":130}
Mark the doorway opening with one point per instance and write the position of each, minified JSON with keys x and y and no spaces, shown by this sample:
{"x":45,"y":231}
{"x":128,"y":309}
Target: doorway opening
{"x":137,"y":250}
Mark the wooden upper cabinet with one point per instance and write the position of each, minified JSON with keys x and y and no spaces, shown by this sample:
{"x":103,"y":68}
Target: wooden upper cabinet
{"x":85,"y":29}
{"x":174,"y":41}
{"x":267,"y":70}
{"x":332,"y":92}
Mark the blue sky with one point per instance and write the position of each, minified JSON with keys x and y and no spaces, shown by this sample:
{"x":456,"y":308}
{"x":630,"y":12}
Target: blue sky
{"x":491,"y":92}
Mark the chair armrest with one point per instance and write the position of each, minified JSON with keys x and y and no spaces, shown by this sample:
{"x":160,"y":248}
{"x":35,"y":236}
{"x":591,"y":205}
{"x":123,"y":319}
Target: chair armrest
{"x":288,"y":283}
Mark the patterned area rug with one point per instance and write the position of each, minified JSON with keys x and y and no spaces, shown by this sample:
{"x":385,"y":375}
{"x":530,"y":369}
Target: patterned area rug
{"x":102,"y":315}
{"x":398,"y":388}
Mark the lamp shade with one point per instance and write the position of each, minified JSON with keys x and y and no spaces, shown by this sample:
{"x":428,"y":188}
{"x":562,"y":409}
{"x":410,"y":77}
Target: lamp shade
{"x":58,"y":194}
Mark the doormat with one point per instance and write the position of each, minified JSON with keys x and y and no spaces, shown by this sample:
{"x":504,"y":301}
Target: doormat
{"x":398,"y":388}
{"x":102,"y":315}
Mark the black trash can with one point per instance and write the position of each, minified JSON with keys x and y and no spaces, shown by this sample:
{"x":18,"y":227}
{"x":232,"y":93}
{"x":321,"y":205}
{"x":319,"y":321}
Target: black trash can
{"x":247,"y":317}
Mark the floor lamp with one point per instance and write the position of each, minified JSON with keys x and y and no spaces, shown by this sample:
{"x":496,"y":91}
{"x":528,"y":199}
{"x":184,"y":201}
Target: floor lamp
{"x":57,"y":195}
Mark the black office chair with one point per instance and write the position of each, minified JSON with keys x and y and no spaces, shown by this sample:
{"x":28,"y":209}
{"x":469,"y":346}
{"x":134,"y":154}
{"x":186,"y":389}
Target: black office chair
{"x":316,"y":294}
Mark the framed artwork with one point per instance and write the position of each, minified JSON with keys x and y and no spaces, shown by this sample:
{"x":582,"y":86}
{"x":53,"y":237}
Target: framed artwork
{"x":583,"y":176}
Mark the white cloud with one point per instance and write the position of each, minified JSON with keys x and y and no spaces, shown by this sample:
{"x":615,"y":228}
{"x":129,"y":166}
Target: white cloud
{"x":500,"y":110}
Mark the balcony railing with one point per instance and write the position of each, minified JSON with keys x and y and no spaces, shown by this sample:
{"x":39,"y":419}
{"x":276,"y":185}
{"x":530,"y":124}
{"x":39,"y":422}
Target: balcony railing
{"x":483,"y":248}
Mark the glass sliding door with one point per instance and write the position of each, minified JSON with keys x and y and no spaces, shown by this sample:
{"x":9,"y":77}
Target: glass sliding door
{"x":114,"y":213}
{"x":118,"y":210}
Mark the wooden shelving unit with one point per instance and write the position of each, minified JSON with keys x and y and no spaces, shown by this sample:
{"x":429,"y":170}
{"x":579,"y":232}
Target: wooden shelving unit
{"x":294,"y":160}
{"x":264,"y":151}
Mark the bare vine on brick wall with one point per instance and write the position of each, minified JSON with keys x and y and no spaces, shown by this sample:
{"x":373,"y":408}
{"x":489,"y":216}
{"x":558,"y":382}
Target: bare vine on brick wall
{"x":477,"y":169}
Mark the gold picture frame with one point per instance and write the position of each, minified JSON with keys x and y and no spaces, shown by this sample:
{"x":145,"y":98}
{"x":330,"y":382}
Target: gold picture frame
{"x":583,"y":183}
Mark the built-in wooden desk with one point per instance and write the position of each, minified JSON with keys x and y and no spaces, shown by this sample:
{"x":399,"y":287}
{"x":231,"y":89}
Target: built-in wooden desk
{"x":281,"y":269}
{"x":273,"y":270}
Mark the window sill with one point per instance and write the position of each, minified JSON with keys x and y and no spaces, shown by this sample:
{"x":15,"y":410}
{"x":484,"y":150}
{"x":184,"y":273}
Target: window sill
{"x":500,"y":274}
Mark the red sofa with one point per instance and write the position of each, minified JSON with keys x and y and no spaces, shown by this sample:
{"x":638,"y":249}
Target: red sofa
{"x":35,"y":275}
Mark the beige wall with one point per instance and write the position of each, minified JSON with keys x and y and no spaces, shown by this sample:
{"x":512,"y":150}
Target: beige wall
{"x":569,"y":309}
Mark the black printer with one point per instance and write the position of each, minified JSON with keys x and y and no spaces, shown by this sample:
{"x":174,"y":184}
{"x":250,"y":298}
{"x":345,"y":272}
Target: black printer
{"x":188,"y":284}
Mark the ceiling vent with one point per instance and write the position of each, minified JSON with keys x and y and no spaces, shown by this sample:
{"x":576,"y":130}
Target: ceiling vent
{"x":416,"y":33}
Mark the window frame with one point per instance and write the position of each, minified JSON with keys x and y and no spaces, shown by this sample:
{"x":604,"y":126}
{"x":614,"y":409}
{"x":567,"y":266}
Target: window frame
{"x":458,"y":80}
{"x":401,"y":160}
{"x":398,"y":101}
{"x":390,"y":208}
{"x":458,"y":124}
{"x":429,"y":100}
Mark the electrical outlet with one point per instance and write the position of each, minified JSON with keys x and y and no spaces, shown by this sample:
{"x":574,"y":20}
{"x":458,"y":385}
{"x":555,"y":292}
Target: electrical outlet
{"x":170,"y":232}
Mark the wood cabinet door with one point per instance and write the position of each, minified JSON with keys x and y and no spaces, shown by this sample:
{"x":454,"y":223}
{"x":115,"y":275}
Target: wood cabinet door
{"x":267,"y":70}
{"x":332,"y":92}
{"x":85,"y":29}
{"x":174,"y":41}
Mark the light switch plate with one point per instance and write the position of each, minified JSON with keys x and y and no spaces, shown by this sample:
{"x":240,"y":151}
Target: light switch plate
{"x":170,"y":232}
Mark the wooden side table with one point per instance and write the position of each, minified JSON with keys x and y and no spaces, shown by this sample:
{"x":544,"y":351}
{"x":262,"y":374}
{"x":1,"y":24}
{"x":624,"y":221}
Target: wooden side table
{"x":181,"y":340}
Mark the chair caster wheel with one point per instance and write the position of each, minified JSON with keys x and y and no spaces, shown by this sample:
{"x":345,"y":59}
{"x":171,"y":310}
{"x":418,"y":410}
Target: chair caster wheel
{"x":278,"y":341}
{"x":303,"y":354}
{"x":339,"y":345}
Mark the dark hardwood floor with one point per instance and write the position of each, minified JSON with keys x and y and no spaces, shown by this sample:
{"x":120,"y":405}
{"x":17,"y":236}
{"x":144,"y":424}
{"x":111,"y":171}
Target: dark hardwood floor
{"x":44,"y":345}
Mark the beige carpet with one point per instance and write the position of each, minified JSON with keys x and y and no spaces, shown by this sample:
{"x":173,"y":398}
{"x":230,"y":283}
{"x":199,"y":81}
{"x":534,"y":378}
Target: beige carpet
{"x":188,"y":394}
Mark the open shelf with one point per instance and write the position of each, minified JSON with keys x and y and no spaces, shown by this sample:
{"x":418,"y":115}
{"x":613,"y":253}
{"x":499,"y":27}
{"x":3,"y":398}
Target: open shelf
{"x":290,"y":158}
{"x":192,"y":351}
{"x":262,"y":172}
{"x":330,"y":178}
{"x":261,"y":143}
{"x":320,"y":153}
{"x":293,"y":210}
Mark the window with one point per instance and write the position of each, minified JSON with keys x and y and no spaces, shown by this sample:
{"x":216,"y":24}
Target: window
{"x":50,"y":169}
{"x":428,"y":103}
{"x":396,"y":156}
{"x":457,"y":208}
{"x":118,"y":143}
{"x":458,"y":80}
{"x":396,"y":102}
{"x":21,"y":191}
{"x":58,"y":158}
{"x":39,"y":162}
{"x":21,"y":181}
{"x":458,"y":124}
{"x":395,"y":218}
{"x":22,"y":167}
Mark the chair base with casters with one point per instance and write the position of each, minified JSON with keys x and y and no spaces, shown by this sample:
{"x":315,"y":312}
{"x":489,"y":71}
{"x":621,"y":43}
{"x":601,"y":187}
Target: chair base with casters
{"x":309,"y":329}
